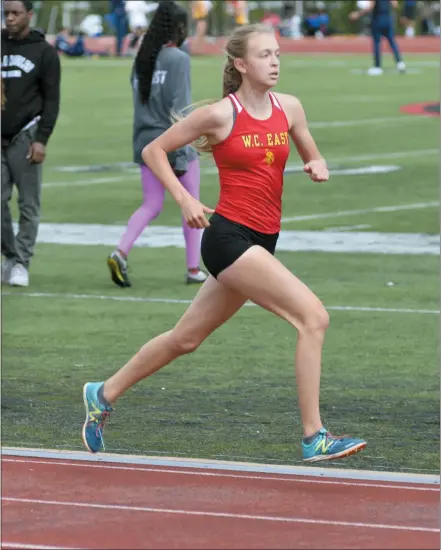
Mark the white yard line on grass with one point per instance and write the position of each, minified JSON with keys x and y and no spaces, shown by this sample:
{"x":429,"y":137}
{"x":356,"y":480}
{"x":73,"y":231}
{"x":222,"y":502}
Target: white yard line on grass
{"x":354,"y":171}
{"x":159,"y":236}
{"x":365,"y":122}
{"x":419,"y":153}
{"x":149,"y":300}
{"x":79,"y":183}
{"x":409,"y":70}
{"x":348,"y":227}
{"x":343,"y":213}
{"x":385,"y":156}
{"x":320,"y":63}
{"x":208,"y":168}
{"x":325,"y":124}
{"x":92,"y":181}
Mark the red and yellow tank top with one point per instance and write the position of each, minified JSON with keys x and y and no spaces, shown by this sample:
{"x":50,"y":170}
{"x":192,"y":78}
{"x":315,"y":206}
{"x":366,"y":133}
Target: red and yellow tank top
{"x":251,"y":162}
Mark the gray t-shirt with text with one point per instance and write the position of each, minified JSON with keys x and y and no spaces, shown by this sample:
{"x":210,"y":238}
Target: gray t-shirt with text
{"x":170,"y":91}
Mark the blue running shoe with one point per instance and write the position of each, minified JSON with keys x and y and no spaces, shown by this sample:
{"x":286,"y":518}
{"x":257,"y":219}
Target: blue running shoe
{"x":327,"y":447}
{"x":96,"y":415}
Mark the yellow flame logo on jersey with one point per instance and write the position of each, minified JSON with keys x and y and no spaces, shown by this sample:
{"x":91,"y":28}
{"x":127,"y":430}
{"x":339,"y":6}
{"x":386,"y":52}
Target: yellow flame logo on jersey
{"x":269,"y":157}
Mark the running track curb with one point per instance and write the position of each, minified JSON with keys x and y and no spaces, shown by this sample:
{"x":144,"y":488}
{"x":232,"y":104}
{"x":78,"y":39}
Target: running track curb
{"x":202,"y":464}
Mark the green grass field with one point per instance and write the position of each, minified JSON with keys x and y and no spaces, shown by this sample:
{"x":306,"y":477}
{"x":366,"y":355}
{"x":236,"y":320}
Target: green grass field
{"x":235,"y":397}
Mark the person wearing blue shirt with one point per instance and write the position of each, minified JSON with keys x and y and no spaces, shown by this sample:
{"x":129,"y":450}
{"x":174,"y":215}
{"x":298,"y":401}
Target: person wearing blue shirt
{"x":117,"y":10}
{"x":382,"y":24}
{"x":62,"y":44}
{"x":78,"y":48}
{"x":316,"y":23}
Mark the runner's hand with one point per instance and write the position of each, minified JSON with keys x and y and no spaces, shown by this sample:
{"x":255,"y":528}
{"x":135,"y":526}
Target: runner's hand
{"x":317,"y":170}
{"x":194,"y":212}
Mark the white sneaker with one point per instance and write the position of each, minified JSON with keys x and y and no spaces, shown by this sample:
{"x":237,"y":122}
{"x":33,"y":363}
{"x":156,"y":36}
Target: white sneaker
{"x":198,"y":277}
{"x":401,"y":66}
{"x":19,"y":276}
{"x":375,"y":71}
{"x":7,"y":266}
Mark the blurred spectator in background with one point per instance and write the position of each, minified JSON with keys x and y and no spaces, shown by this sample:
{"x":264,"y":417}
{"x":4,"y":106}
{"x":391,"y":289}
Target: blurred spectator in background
{"x":364,"y":22}
{"x":77,"y":48}
{"x":137,"y":12}
{"x":427,"y":16}
{"x":239,"y":10}
{"x":92,"y":25}
{"x":161,"y":84}
{"x":200,"y":10}
{"x":135,"y":37}
{"x":291,"y":22}
{"x":31,"y":74}
{"x":316,"y":22}
{"x":408,"y":17}
{"x":382,"y":25}
{"x":118,"y":19}
{"x":288,"y":9}
{"x":63,"y":45}
{"x":272,"y":20}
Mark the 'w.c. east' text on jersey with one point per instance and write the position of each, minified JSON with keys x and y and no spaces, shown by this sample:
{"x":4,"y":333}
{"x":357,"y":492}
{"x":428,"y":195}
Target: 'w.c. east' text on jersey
{"x":251,"y":162}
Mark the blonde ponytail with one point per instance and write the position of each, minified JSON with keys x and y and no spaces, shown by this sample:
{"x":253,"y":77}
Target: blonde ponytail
{"x":201,"y":144}
{"x":232,"y":79}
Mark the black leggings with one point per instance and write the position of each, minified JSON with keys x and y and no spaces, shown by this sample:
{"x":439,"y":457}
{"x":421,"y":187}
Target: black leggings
{"x":224,"y":241}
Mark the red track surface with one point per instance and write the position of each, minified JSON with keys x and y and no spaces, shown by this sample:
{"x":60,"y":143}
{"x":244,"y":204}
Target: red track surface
{"x":340,"y":44}
{"x":62,"y":503}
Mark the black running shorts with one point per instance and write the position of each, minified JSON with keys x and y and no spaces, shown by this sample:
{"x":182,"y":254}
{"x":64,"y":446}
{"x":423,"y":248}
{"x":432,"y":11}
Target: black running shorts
{"x":224,"y":241}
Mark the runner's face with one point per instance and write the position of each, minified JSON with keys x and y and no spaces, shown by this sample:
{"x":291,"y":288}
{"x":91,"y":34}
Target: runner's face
{"x":262,"y":60}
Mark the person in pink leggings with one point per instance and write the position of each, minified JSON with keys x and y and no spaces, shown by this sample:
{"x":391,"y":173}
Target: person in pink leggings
{"x":161,"y":86}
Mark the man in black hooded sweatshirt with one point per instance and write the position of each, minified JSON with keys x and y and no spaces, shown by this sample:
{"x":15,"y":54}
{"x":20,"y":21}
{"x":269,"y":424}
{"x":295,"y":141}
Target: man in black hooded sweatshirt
{"x":31,"y":77}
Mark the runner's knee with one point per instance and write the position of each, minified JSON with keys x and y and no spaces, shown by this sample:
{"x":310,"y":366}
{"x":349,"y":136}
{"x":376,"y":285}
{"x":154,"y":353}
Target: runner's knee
{"x":315,"y":320}
{"x":183,"y":342}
